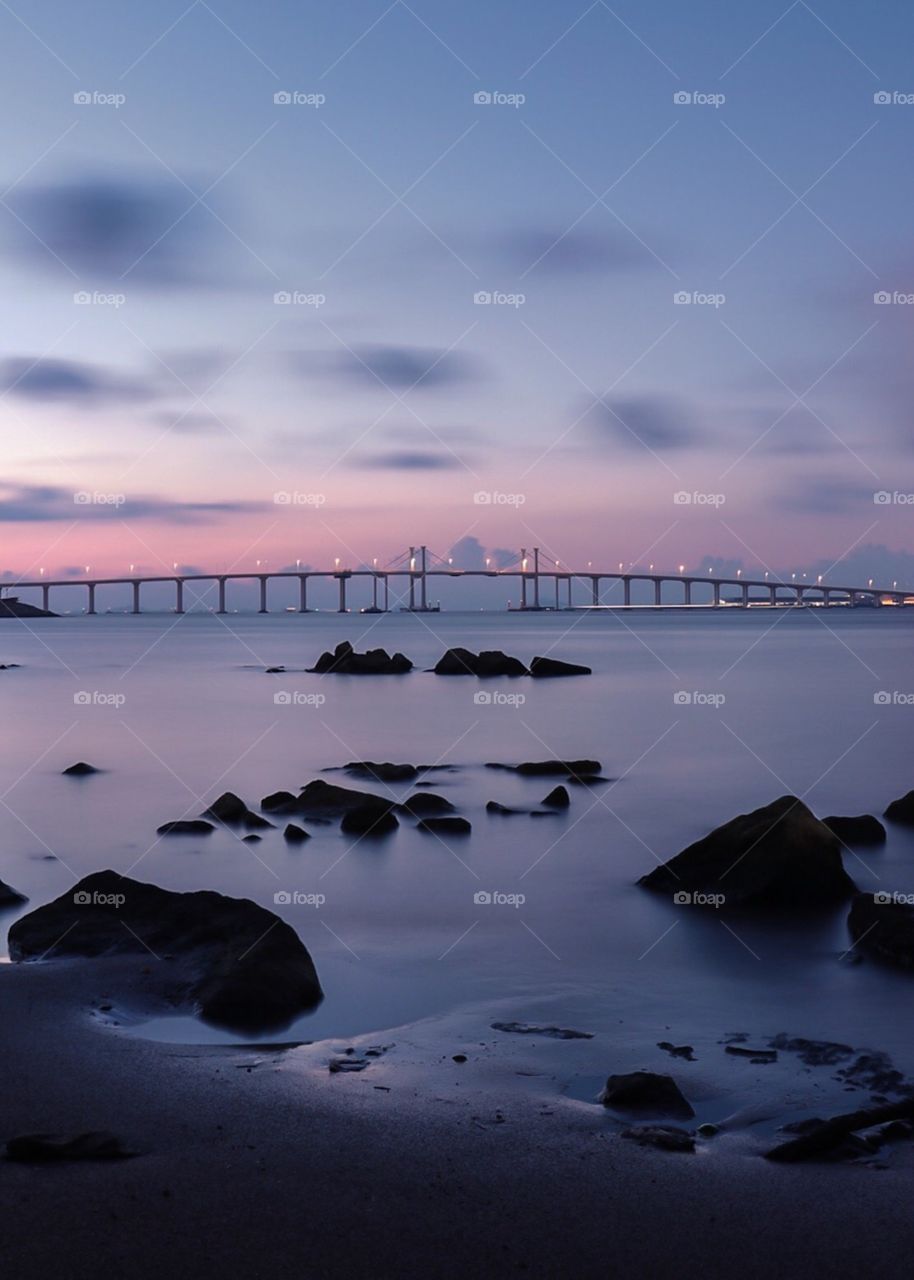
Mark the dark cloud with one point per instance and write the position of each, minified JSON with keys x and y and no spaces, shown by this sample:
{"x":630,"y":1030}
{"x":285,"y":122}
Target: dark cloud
{"x":652,"y":422}
{"x":576,"y":252}
{"x":69,"y":380}
{"x":22,"y":504}
{"x":397,"y":367}
{"x":468,"y":553}
{"x":411,"y":460}
{"x":503,"y":558}
{"x":828,"y":496}
{"x":142,"y":231}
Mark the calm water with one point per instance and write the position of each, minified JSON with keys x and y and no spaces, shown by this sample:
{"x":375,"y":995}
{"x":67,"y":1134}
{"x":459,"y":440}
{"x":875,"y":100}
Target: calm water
{"x":181,"y":710}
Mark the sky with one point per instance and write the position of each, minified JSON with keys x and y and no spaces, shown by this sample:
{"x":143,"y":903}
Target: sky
{"x":292,"y":282}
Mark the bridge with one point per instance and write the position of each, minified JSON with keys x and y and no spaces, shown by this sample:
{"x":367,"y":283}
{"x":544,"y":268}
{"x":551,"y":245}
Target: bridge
{"x":537,"y":577}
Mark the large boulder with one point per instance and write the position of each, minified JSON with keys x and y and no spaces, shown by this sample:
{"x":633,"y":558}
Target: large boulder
{"x":573,"y":769}
{"x":557,"y":798}
{"x":491,"y":662}
{"x":446,"y":826}
{"x":646,"y":1092}
{"x":902,"y":810}
{"x":237,"y":963}
{"x":883,"y":927}
{"x":376,"y":662}
{"x":185,"y":827}
{"x":232,"y":810}
{"x":369,"y":820}
{"x":383,"y":771}
{"x":426,"y":804}
{"x":10,"y":897}
{"x":80,"y":770}
{"x":553,"y":667}
{"x":779,"y":855}
{"x":864,"y":830}
{"x":324,"y":799}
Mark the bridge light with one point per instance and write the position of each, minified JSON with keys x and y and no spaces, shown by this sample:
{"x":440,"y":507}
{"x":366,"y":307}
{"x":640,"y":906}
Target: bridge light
{"x":738,"y":572}
{"x":298,"y":564}
{"x":870,"y":583}
{"x":682,"y":568}
{"x":336,"y":561}
{"x":87,"y":568}
{"x":523,"y":565}
{"x":651,"y":569}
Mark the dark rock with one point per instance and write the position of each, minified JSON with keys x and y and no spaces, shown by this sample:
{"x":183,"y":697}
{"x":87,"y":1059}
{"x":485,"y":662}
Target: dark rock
{"x":9,"y":666}
{"x":491,"y":662}
{"x":884,"y":930}
{"x":814,"y":1053}
{"x":645,"y":1091}
{"x":552,"y":667}
{"x":493,"y":806}
{"x":323,"y":798}
{"x":446,"y":826}
{"x":185,"y":827}
{"x":376,"y":662}
{"x":758,"y":1056}
{"x":459,"y":1057}
{"x":780,"y":855}
{"x":80,"y":770}
{"x":9,"y":896}
{"x":251,"y":839}
{"x":232,"y":810}
{"x":43,"y":1148}
{"x":677,"y":1050}
{"x":295,"y":834}
{"x":275,"y":671}
{"x":241,"y":965}
{"x":557,"y":798}
{"x":574,"y":769}
{"x":280,"y":802}
{"x":552,"y":1033}
{"x":664,"y":1137}
{"x":13,"y":607}
{"x":369,"y":820}
{"x":864,"y":830}
{"x":383,"y":772}
{"x":902,"y":811}
{"x":427,"y":804}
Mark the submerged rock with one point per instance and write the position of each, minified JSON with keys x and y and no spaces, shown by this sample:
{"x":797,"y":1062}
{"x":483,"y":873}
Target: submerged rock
{"x":646,"y":1091}
{"x":294,"y":834}
{"x":376,"y":662}
{"x":370,"y":820}
{"x":241,"y":966}
{"x":666,"y":1137}
{"x":883,"y":929}
{"x":552,"y":1033}
{"x":43,"y":1148}
{"x":9,"y":896}
{"x":80,"y":770}
{"x":574,"y":769}
{"x":902,"y":810}
{"x":557,"y":798}
{"x":446,"y":826}
{"x":426,"y":804}
{"x":490,"y":662}
{"x":279,"y":802}
{"x":864,"y":830}
{"x":779,"y":855}
{"x":185,"y":827}
{"x":553,"y":667}
{"x":232,"y":810}
{"x":324,"y":798}
{"x":384,"y":772}
{"x":495,"y":806}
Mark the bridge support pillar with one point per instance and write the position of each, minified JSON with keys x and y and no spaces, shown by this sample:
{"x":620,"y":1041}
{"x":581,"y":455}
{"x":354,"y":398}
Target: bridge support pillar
{"x":386,"y":593}
{"x":220,"y":608}
{"x":772,"y":595}
{"x":594,"y":590}
{"x":523,"y":590}
{"x":302,"y":594}
{"x":45,"y":596}
{"x":179,"y":596}
{"x":716,"y":595}
{"x":745,"y":595}
{"x":626,"y":591}
{"x":136,"y":597}
{"x":826,"y":598}
{"x":658,"y":596}
{"x":799,"y":591}
{"x":342,"y":608}
{"x":91,"y":608}
{"x":263,"y":595}
{"x":688,"y":593}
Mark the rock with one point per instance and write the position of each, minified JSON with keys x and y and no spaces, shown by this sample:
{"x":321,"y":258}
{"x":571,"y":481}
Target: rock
{"x":9,"y":896}
{"x":778,"y":855}
{"x":645,"y":1091}
{"x":251,"y":839}
{"x":42,"y":1148}
{"x":552,"y":667}
{"x":884,"y":930}
{"x":664,"y":1137}
{"x":426,"y":804}
{"x":902,"y":811}
{"x":232,"y":810}
{"x":491,"y":662}
{"x":459,"y":1057}
{"x":864,"y":830}
{"x":494,"y":806}
{"x":13,"y":607}
{"x":814,"y":1053}
{"x":185,"y":827}
{"x":677,"y":1050}
{"x":760,"y":1057}
{"x":557,"y":798}
{"x":385,"y":772}
{"x":279,"y":802}
{"x":241,"y":966}
{"x":575,"y":769}
{"x":274,"y":671}
{"x":552,"y":1033}
{"x":376,"y":662}
{"x":294,"y":834}
{"x":323,"y":798}
{"x":446,"y":826}
{"x":369,"y":820}
{"x":80,"y":770}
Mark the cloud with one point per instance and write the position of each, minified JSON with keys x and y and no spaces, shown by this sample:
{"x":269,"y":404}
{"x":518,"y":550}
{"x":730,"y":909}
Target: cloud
{"x":411,"y":460}
{"x":141,"y":230}
{"x":648,"y":421}
{"x":469,"y":553}
{"x":70,"y":381}
{"x":24,"y":504}
{"x":577,"y":252}
{"x":829,"y":496}
{"x":398,"y":367}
